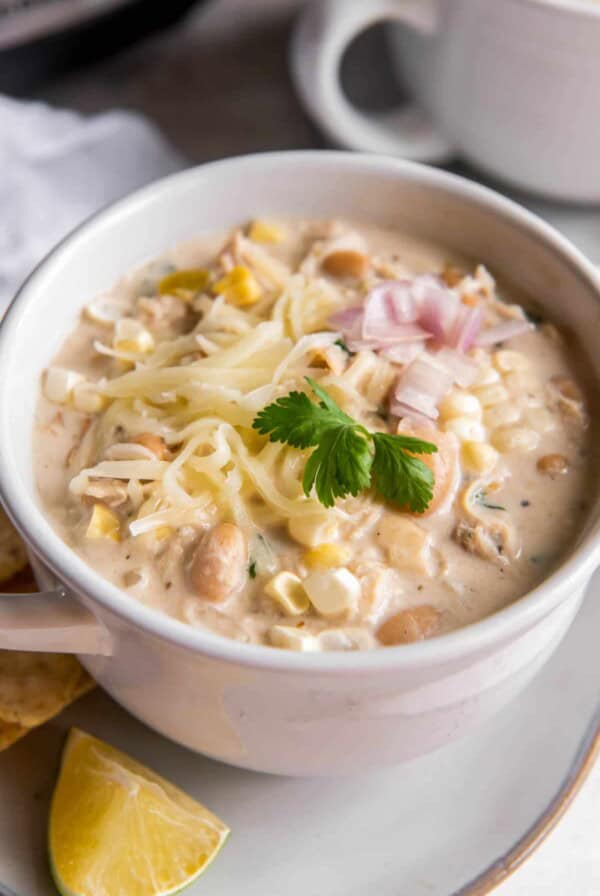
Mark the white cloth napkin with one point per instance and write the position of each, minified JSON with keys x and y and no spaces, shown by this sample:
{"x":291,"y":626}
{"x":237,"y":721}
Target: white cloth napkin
{"x":57,"y":167}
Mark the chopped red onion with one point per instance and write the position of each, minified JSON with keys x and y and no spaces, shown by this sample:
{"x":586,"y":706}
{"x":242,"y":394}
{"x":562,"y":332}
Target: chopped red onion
{"x":380,"y":318}
{"x":388,"y":305}
{"x":403,"y":353}
{"x":399,"y":315}
{"x":401,"y":298}
{"x":506,"y":330}
{"x":406,"y":333}
{"x":344,"y":319}
{"x":437,"y":311}
{"x":403,"y":334}
{"x":422,"y":283}
{"x":421,"y":385}
{"x":359,"y":345}
{"x":399,"y":409}
{"x":418,"y":402}
{"x":463,"y":370}
{"x":465,"y":328}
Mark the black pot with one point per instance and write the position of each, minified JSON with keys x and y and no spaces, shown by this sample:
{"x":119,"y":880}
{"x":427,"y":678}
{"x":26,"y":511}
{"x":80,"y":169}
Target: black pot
{"x":75,"y":37}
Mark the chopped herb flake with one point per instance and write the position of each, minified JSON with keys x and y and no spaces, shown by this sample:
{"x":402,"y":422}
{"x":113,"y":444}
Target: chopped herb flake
{"x":481,"y":498}
{"x":343,"y":346}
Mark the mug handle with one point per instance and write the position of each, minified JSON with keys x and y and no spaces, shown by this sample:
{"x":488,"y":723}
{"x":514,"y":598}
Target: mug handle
{"x":52,"y":622}
{"x":322,"y":35}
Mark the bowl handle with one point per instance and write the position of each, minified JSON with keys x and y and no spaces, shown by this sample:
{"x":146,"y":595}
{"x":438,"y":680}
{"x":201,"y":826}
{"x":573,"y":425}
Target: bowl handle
{"x":50,"y":621}
{"x":325,"y":30}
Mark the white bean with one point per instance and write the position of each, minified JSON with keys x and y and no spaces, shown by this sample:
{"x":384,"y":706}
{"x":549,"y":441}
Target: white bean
{"x":220,"y":562}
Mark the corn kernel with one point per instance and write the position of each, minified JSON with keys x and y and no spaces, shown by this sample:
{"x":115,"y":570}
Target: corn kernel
{"x":185,"y":283}
{"x":162,"y":532}
{"x":326,"y":556}
{"x":506,"y":361}
{"x":479,"y":457}
{"x":515,"y":438}
{"x":540,"y":419}
{"x":486,"y":376}
{"x":466,"y":429}
{"x":350,"y":638}
{"x":313,"y":528}
{"x":479,"y":356}
{"x":287,"y":589}
{"x":520,"y":381}
{"x":408,"y":544}
{"x":492,"y":394}
{"x":532,"y":400}
{"x":59,"y":384}
{"x":265,"y":232}
{"x":152,"y":539}
{"x":291,"y":638}
{"x":239,"y":286}
{"x":131,"y":336}
{"x":333,"y":591}
{"x":104,"y":524}
{"x":501,"y":414}
{"x":460,"y":404}
{"x":87,"y":398}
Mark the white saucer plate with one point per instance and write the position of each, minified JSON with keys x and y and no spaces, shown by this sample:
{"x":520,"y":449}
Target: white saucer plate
{"x":454,"y":823}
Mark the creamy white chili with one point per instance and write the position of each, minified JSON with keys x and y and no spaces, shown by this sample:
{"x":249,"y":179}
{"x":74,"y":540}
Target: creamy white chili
{"x":151,"y":466}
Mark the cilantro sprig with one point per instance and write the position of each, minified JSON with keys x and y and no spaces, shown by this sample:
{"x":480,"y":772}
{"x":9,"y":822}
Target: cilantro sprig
{"x":348,"y":458}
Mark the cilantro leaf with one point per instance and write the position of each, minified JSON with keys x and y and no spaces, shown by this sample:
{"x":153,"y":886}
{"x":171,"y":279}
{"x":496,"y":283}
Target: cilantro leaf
{"x":348,"y":458}
{"x":400,"y":477}
{"x":294,"y":419}
{"x":326,"y":403}
{"x":340,"y":466}
{"x":409,"y":443}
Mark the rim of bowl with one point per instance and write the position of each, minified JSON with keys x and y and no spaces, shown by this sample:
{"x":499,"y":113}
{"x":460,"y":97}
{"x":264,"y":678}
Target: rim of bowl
{"x":73,"y":571}
{"x":581,"y":7}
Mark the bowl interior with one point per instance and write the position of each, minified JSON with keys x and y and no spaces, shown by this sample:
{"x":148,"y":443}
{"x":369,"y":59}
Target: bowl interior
{"x":429,"y":203}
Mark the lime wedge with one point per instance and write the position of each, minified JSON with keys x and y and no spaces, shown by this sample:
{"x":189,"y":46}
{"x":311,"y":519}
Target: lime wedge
{"x":117,"y":828}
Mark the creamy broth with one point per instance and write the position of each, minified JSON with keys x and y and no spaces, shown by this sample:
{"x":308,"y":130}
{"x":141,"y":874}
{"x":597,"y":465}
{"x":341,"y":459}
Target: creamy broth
{"x":513,"y":469}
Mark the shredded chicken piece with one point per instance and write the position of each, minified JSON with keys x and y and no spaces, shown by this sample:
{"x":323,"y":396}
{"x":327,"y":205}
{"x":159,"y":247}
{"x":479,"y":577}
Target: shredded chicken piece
{"x":162,"y":311}
{"x":389,"y":267}
{"x":333,"y":357}
{"x":486,"y":531}
{"x":112,"y":492}
{"x":271,"y":272}
{"x":565,"y":395}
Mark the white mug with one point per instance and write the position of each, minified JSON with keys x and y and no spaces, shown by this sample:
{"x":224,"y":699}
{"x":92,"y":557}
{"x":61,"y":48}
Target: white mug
{"x":510,"y":85}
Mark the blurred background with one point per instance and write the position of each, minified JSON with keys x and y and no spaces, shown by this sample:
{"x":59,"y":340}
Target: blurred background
{"x":213,"y":75}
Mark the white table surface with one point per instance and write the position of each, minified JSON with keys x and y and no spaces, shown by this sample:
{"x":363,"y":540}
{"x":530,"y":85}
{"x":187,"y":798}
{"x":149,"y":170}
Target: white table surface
{"x":218,"y":85}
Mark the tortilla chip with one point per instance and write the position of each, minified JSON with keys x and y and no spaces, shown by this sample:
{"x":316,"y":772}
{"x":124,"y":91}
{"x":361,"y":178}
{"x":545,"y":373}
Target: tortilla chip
{"x":9,"y":733}
{"x":34,"y":687}
{"x":13,"y":556}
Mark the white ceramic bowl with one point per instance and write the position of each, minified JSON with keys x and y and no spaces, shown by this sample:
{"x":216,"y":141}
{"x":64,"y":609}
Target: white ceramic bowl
{"x":254,"y":706}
